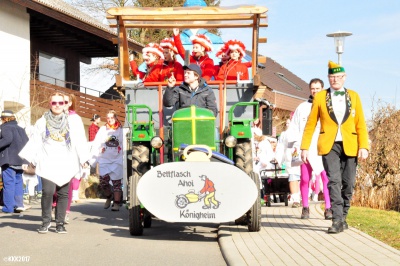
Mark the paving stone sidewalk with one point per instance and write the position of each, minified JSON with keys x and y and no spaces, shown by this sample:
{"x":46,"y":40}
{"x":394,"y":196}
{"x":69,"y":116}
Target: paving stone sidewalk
{"x":285,"y":239}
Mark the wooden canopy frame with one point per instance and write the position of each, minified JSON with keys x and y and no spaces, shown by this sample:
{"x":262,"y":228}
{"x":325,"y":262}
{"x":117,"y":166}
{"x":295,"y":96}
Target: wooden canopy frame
{"x":124,"y":18}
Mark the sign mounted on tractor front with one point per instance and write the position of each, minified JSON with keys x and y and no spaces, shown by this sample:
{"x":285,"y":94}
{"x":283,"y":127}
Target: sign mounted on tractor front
{"x":205,"y":192}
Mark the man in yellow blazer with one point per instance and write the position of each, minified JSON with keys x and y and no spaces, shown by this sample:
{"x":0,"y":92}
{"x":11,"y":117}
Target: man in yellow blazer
{"x":342,"y":141}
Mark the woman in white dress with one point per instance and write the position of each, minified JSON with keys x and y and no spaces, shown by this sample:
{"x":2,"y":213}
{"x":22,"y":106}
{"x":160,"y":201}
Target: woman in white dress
{"x":107,"y":151}
{"x":57,"y":148}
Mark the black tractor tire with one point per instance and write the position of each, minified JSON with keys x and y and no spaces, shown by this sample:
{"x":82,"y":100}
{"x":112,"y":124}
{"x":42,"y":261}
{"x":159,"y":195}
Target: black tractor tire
{"x":254,"y":214}
{"x":147,"y":219}
{"x":135,"y":211}
{"x":244,"y":156}
{"x":140,"y":159}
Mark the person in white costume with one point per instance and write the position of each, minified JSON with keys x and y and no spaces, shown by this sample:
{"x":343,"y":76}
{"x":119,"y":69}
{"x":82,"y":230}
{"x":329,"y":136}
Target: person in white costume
{"x":296,"y":130}
{"x":283,"y":155}
{"x":57,"y":148}
{"x":107,"y":150}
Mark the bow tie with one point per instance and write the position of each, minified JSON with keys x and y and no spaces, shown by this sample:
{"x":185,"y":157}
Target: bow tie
{"x":336,"y":93}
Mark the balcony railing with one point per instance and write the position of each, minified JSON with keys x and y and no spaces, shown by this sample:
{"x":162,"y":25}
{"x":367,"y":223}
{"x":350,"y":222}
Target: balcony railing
{"x":86,"y":105}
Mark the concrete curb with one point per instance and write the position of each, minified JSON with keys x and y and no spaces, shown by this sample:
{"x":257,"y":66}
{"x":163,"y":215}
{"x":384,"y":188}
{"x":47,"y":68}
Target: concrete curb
{"x":228,"y":248}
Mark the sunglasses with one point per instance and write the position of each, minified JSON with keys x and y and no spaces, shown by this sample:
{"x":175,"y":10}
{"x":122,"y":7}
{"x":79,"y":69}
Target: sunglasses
{"x":59,"y":103}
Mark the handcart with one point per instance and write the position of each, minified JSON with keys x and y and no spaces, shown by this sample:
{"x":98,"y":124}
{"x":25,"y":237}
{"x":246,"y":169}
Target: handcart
{"x":275,"y":183}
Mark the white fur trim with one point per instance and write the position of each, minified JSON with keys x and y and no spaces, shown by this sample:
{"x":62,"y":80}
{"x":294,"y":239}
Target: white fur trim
{"x":237,"y":47}
{"x":153,"y":50}
{"x":202,"y":41}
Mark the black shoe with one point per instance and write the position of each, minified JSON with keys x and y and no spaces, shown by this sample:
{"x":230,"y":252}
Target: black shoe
{"x":44,"y":228}
{"x":336,"y":228}
{"x":345,"y":225}
{"x":60,"y":229}
{"x":305,"y":214}
{"x":328,"y":214}
{"x":206,"y":207}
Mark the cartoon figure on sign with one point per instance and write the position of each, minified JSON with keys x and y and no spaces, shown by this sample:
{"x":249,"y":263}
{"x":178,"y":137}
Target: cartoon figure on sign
{"x":183,"y":200}
{"x":112,"y":142}
{"x":209,"y":191}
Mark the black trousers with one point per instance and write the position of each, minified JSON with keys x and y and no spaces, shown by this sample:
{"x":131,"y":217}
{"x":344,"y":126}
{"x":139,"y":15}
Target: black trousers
{"x":341,"y":172}
{"x":48,"y":190}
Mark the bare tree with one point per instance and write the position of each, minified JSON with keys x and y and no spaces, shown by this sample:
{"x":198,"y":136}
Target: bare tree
{"x":98,"y":10}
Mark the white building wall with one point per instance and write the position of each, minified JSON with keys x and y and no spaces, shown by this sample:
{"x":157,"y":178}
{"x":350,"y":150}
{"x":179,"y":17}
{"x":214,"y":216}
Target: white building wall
{"x":15,"y":60}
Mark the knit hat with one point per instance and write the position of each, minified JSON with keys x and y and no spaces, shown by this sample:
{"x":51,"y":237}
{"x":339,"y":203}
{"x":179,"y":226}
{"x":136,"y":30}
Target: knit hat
{"x":7,"y":113}
{"x":203,"y":40}
{"x":236,"y":45}
{"x":170,"y":44}
{"x":334,"y":68}
{"x":153,"y":48}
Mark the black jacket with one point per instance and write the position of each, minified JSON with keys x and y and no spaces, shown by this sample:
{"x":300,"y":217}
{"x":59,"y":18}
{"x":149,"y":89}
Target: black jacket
{"x":184,"y":97}
{"x":12,"y":139}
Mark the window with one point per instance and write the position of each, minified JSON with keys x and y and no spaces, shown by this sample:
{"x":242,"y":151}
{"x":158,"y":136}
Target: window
{"x":51,"y":69}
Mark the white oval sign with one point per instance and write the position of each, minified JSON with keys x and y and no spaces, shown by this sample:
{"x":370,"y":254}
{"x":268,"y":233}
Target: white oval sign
{"x":206,"y":192}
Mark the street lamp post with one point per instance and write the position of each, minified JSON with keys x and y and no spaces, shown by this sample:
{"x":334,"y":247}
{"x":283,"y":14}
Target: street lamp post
{"x":339,"y":42}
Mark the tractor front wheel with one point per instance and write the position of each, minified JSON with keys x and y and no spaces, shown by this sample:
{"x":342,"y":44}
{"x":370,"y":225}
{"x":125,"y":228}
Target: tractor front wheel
{"x":254,"y":214}
{"x":135,"y":211}
{"x":244,"y":156}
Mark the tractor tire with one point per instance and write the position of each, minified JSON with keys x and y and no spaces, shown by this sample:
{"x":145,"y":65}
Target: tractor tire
{"x":147,"y":219}
{"x":140,"y":165}
{"x":254,"y":214}
{"x":140,"y":159}
{"x":244,"y":157}
{"x":135,"y":211}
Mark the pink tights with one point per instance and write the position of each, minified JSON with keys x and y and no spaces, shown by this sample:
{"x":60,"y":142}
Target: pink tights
{"x":305,"y":178}
{"x":73,"y":185}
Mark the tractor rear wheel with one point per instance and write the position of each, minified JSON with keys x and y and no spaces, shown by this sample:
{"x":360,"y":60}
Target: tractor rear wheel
{"x":135,"y":211}
{"x":140,"y":159}
{"x":254,"y":214}
{"x":244,"y":157}
{"x":140,"y":165}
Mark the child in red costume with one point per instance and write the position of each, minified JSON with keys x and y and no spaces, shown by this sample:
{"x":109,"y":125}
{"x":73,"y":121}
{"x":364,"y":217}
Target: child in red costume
{"x":199,"y":56}
{"x":170,"y":66}
{"x":234,"y":69}
{"x":223,"y":56}
{"x":153,"y":57}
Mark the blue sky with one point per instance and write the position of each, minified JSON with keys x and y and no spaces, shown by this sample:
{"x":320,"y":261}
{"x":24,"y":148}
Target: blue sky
{"x":297,"y":40}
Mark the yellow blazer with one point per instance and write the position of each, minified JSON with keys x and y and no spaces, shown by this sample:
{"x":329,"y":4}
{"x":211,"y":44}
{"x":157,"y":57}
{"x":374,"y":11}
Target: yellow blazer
{"x":353,"y":128}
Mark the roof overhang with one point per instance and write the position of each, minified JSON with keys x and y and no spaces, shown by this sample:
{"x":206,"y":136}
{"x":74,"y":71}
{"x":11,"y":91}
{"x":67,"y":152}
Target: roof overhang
{"x":77,"y":32}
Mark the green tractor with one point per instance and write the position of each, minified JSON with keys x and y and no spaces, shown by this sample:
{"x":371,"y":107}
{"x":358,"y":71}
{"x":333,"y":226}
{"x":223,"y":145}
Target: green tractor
{"x":193,"y":125}
{"x":184,"y":150}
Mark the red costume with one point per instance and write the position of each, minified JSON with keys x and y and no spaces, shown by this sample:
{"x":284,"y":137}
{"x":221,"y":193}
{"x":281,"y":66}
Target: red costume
{"x":231,"y":70}
{"x":153,"y":70}
{"x":206,"y":63}
{"x":153,"y":73}
{"x":171,"y":67}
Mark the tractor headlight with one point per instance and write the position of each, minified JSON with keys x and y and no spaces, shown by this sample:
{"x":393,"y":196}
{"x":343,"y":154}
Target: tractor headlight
{"x":156,"y":142}
{"x":230,"y":141}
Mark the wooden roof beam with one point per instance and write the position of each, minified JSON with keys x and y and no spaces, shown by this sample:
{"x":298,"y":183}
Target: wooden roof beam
{"x":188,"y":26}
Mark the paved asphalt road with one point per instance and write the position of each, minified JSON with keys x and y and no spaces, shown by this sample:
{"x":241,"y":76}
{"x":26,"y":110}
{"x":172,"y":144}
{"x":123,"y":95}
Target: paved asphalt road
{"x":101,"y":237}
